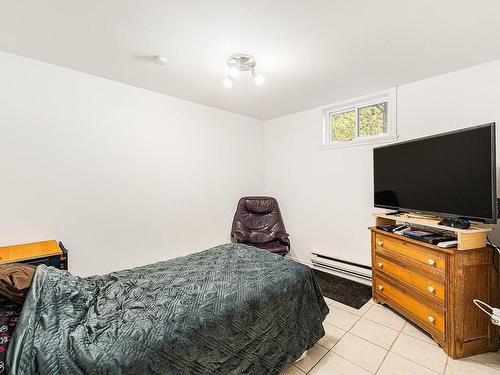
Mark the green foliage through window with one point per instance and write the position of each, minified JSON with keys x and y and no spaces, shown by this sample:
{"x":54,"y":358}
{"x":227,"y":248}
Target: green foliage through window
{"x":371,"y":120}
{"x":343,"y":125}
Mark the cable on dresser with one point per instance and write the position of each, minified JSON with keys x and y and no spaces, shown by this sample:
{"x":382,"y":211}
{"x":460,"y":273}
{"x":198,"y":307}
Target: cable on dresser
{"x":495,"y":247}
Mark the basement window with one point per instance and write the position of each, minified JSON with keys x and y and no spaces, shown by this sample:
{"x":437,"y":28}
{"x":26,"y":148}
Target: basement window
{"x":366,"y":120}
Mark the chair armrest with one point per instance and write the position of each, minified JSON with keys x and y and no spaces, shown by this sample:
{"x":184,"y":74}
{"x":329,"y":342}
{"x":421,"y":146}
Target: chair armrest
{"x":283,"y":238}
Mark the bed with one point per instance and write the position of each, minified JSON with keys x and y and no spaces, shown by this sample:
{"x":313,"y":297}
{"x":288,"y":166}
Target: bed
{"x":232,"y":309}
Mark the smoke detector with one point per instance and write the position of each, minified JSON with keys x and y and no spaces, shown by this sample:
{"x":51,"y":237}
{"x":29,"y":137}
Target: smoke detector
{"x":159,"y":60}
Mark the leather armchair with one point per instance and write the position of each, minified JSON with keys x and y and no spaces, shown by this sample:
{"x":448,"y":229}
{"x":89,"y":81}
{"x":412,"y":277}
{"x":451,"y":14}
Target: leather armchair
{"x":258,"y":222}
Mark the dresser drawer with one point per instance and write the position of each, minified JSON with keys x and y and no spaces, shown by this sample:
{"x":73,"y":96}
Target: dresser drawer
{"x":428,"y":286}
{"x":430,"y":318}
{"x":422,"y":255}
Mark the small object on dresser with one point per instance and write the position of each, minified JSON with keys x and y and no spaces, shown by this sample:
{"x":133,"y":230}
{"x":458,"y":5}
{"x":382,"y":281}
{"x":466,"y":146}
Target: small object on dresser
{"x":417,"y":234}
{"x":387,"y":228}
{"x":434,"y":240}
{"x":455,"y":223}
{"x":448,"y":244}
{"x":401,"y":229}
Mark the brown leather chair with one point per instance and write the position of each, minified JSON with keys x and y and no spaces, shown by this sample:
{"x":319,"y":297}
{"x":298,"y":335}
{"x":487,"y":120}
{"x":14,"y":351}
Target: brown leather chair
{"x":258,"y":222}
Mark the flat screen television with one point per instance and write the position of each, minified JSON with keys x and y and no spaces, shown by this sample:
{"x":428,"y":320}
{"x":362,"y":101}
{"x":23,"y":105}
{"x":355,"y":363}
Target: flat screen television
{"x":451,"y":174}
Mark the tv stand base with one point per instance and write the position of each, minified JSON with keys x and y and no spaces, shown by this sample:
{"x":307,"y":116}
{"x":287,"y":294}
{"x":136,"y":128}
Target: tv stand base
{"x":395,"y":213}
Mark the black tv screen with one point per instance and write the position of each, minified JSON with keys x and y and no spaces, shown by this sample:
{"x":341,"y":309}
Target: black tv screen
{"x":450,"y":174}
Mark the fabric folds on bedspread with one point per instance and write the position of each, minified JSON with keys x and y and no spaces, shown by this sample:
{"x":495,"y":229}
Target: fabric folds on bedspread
{"x":232,"y":309}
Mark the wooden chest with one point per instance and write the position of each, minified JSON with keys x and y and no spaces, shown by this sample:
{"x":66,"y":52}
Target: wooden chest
{"x":434,"y":288}
{"x":49,"y":253}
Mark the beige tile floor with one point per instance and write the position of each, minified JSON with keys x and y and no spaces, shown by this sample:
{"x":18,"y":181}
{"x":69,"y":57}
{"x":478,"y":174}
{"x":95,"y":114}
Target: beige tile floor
{"x":376,"y":340}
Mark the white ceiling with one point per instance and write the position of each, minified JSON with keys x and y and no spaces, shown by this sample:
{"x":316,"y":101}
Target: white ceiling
{"x":313,"y":53}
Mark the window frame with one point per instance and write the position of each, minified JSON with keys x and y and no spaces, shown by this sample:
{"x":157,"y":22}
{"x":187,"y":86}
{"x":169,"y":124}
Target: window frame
{"x":388,"y":96}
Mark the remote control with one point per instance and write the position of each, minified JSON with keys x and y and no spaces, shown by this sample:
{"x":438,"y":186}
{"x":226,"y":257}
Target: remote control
{"x":401,"y":230}
{"x":437,"y":239}
{"x":447,"y":244}
{"x":387,"y":228}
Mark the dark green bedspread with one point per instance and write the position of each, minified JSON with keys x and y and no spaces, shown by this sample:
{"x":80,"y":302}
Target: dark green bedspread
{"x":232,"y":309}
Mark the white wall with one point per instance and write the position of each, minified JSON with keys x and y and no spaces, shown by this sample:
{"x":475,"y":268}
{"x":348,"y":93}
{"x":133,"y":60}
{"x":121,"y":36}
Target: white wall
{"x":326,"y":196}
{"x":123,"y":176}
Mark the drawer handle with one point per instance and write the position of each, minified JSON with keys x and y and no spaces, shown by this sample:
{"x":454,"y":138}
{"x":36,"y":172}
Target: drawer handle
{"x":431,"y":262}
{"x":430,"y":318}
{"x":381,"y":287}
{"x":380,"y":243}
{"x":380,"y":265}
{"x":430,"y":289}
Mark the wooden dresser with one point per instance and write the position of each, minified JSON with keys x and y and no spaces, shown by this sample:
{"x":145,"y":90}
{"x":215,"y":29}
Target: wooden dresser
{"x":434,"y":287}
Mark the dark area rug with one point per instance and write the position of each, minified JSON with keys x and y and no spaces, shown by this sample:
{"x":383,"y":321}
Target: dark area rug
{"x":343,"y":290}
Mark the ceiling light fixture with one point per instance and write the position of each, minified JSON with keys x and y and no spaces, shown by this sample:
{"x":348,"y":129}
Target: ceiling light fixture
{"x":242,"y":63}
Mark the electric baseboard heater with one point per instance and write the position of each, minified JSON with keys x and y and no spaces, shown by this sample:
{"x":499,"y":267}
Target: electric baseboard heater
{"x":350,"y":270}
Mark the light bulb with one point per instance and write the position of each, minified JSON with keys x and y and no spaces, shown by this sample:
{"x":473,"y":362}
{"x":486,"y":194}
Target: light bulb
{"x":228,"y":82}
{"x":259,"y":79}
{"x":234,"y":71}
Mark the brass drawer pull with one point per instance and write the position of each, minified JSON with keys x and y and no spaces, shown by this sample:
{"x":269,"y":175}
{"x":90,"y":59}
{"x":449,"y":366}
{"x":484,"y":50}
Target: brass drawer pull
{"x":380,"y":265}
{"x":381,"y":287}
{"x":380,"y":243}
{"x":430,"y":289}
{"x":430,"y":318}
{"x":431,"y":262}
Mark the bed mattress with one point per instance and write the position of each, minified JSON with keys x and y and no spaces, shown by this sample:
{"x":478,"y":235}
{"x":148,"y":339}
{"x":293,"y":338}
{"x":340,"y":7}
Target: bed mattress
{"x":232,"y":309}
